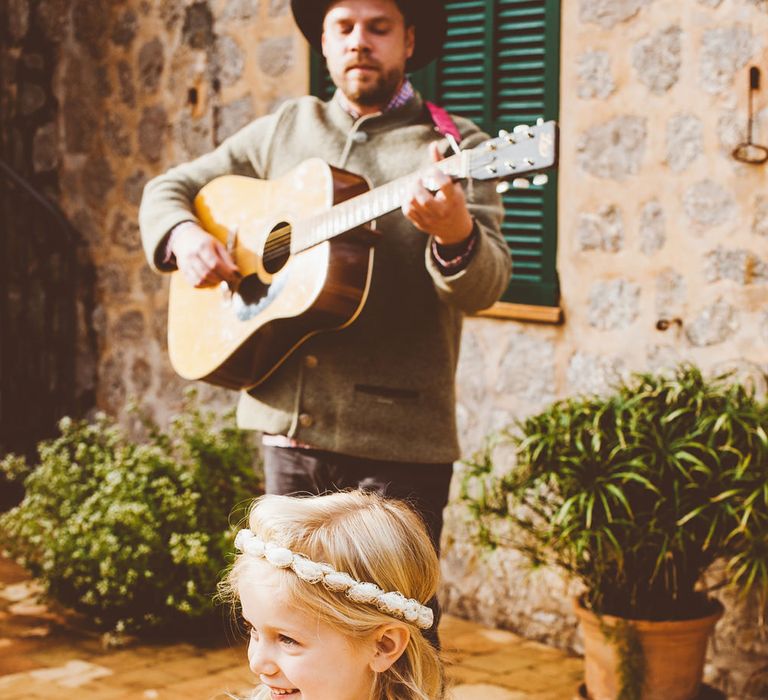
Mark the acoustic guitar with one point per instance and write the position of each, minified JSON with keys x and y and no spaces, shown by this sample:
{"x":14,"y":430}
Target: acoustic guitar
{"x":305,"y":254}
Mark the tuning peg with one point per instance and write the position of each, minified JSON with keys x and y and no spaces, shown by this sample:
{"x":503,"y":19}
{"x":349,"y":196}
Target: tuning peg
{"x":540,"y":180}
{"x":523,"y":129}
{"x":520,"y":183}
{"x":503,"y":133}
{"x":539,"y":121}
{"x":503,"y":187}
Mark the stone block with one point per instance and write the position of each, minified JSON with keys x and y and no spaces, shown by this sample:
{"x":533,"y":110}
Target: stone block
{"x":115,"y":135}
{"x":593,"y":374}
{"x":151,"y":63}
{"x":113,"y":280}
{"x":603,"y":230}
{"x":130,"y":326}
{"x":608,"y":13}
{"x":124,"y":31}
{"x":127,"y":87}
{"x":195,"y":134}
{"x":45,"y":148}
{"x":234,"y":116}
{"x":197,"y":31}
{"x":713,"y":324}
{"x":708,"y":204}
{"x":141,"y":375}
{"x":613,"y":304}
{"x":103,"y":82}
{"x":80,"y":124}
{"x":34,"y":62}
{"x":53,"y":18}
{"x":731,"y":130}
{"x":112,"y":392}
{"x":663,"y":357}
{"x":89,"y":21}
{"x":228,"y":60}
{"x":652,"y":227}
{"x":276,"y":55}
{"x":657,"y":59}
{"x":17,"y":19}
{"x":241,"y":10}
{"x":614,"y":149}
{"x":685,"y":141}
{"x":124,"y":232}
{"x":670,"y":293}
{"x":760,"y":217}
{"x":150,"y":281}
{"x":737,"y":265}
{"x":724,"y":51}
{"x":594,"y":72}
{"x":278,"y":8}
{"x":526,"y":371}
{"x":31,"y":98}
{"x":133,"y":186}
{"x":97,"y":180}
{"x":153,"y":129}
{"x":87,"y":225}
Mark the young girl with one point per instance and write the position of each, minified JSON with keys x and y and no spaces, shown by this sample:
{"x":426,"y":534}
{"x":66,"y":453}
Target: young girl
{"x":332,"y":589}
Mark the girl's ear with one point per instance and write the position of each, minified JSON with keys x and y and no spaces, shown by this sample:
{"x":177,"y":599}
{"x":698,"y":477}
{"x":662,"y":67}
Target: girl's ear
{"x":391,"y":641}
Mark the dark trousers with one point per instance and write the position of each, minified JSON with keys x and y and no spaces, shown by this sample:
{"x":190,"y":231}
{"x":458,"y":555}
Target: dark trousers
{"x":295,"y":471}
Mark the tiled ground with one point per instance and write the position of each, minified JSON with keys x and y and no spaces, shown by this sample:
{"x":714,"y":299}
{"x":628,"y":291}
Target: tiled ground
{"x":46,"y":654}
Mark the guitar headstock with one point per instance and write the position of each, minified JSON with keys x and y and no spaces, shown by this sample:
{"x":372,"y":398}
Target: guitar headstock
{"x":515,"y":154}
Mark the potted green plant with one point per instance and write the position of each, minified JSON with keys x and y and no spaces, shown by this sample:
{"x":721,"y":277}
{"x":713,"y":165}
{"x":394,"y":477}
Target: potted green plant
{"x":637,"y":494}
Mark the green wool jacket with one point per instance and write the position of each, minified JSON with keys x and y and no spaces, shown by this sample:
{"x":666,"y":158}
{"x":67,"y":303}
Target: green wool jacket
{"x":382,"y":388}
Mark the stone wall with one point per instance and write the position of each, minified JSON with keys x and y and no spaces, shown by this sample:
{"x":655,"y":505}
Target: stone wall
{"x":662,"y":256}
{"x":142,"y":86}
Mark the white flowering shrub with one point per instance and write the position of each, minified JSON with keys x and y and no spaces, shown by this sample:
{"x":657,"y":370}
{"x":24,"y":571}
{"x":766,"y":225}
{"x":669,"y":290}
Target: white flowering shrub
{"x":133,"y":534}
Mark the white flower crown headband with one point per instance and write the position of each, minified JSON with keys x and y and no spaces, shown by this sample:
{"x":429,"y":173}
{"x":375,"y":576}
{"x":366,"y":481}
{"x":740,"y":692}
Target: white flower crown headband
{"x":392,"y":603}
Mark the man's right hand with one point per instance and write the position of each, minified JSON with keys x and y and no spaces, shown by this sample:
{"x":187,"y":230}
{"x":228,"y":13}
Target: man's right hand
{"x":202,"y":259}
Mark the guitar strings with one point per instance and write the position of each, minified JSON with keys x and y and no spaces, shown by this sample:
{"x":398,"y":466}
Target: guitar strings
{"x":279,"y":239}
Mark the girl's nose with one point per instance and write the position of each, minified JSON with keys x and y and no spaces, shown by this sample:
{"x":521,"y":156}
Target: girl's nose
{"x":260,"y":660}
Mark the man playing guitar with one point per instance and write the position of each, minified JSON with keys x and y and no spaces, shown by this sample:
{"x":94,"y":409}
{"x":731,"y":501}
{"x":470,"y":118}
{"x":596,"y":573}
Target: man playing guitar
{"x":371,"y":405}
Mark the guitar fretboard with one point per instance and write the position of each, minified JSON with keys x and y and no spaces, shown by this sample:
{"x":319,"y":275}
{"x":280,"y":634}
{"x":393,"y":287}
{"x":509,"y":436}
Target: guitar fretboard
{"x":363,"y":208}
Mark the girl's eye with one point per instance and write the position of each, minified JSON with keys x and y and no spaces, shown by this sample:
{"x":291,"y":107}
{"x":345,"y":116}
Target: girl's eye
{"x":287,"y":640}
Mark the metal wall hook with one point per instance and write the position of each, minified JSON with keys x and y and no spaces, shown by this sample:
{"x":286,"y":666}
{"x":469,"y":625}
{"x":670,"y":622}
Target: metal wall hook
{"x":664,"y":323}
{"x":748,"y":151}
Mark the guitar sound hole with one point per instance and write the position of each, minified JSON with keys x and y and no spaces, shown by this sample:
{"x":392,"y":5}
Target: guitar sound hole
{"x":252,"y":290}
{"x":277,"y":249}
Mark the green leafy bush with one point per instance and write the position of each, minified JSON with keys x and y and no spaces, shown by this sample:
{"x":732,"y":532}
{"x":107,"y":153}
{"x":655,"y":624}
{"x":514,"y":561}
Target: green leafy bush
{"x":133,"y":534}
{"x":636,"y":493}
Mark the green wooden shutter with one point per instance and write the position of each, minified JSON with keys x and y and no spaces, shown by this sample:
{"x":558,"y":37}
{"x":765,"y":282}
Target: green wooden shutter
{"x":500,"y":68}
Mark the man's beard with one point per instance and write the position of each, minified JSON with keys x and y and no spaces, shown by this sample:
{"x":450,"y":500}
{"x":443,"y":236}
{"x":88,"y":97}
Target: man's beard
{"x":380,"y":92}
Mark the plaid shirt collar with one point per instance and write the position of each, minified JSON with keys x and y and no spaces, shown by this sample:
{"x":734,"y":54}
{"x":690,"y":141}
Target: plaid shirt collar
{"x":402,"y":97}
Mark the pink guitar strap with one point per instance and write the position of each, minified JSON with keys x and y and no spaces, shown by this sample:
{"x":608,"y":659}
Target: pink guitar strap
{"x":445,"y":125}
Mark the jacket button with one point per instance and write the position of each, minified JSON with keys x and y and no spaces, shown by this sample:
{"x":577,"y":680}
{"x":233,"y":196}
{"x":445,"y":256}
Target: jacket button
{"x":305,"y":420}
{"x":311,"y":361}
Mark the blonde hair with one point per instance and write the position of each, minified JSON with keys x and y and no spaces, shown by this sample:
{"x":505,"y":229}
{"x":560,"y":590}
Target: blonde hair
{"x":373,"y":539}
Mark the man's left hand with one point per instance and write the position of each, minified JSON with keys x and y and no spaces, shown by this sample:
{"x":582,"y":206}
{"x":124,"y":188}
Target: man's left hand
{"x":436,"y":205}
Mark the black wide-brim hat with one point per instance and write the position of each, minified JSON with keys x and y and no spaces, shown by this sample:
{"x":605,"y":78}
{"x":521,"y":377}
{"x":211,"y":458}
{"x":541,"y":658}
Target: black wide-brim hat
{"x":428,"y":17}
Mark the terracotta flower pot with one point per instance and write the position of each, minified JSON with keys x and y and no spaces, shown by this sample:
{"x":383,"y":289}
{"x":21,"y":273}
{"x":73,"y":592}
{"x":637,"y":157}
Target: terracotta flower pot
{"x":674,"y":654}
